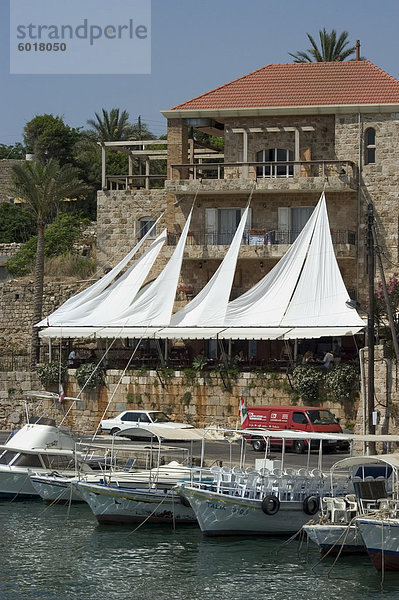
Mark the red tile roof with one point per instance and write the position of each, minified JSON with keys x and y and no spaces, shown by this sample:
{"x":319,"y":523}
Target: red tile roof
{"x":302,"y":84}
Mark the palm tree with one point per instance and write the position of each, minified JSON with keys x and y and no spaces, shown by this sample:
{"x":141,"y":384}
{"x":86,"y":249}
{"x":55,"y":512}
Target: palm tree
{"x":331,"y":49}
{"x":42,"y":186}
{"x":113,"y":126}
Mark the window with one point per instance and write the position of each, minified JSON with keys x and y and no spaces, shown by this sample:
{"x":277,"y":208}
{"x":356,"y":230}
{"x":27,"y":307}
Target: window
{"x":221,"y":225}
{"x":321,"y":417}
{"x":291,"y":221}
{"x":145,"y":225}
{"x":275,"y":155}
{"x":159,"y":417}
{"x":130,"y":416}
{"x":369,"y":146}
{"x":299,"y":418}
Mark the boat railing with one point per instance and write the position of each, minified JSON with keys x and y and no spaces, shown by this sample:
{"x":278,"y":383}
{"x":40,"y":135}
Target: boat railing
{"x":255,"y":484}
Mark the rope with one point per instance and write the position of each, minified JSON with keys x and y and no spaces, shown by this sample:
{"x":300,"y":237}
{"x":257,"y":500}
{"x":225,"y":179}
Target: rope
{"x":150,"y":515}
{"x":118,"y":384}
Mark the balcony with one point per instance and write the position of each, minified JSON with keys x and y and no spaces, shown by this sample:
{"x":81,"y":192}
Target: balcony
{"x":270,"y":177}
{"x":271,"y":244}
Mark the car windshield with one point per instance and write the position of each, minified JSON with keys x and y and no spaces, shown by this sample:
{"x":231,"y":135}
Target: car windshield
{"x":159,"y":417}
{"x":321,"y":417}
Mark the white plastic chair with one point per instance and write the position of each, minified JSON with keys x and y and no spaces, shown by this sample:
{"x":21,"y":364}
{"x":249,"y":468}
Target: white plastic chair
{"x":335,"y":509}
{"x":217,"y":477}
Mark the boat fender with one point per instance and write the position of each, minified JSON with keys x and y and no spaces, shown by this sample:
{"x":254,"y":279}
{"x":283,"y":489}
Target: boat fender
{"x":270,"y":504}
{"x":184,"y":501}
{"x":311,"y":505}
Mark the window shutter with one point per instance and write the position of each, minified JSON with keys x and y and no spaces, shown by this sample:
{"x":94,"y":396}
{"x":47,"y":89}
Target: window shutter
{"x":210,"y":226}
{"x":284,"y":224}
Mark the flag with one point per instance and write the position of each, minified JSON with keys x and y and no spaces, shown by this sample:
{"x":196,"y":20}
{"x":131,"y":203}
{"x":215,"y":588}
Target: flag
{"x":61,"y":394}
{"x":242,"y":410}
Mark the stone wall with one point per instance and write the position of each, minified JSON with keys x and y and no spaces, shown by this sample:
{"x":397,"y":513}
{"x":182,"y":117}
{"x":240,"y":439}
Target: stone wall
{"x":118,"y":215}
{"x":8,"y":250}
{"x":379,"y":182}
{"x":199,"y":400}
{"x":6,"y":165}
{"x":16,"y":296}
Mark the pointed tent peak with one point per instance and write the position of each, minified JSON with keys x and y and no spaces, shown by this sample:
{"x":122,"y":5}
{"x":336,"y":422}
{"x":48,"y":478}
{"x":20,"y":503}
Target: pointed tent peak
{"x":209,"y":307}
{"x":102,"y":284}
{"x":116,"y":297}
{"x":155,"y":305}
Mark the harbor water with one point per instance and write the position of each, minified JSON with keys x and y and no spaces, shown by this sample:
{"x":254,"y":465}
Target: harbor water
{"x":61,"y":553}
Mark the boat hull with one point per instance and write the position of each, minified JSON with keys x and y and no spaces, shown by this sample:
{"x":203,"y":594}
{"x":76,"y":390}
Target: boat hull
{"x":111,"y":504}
{"x":381,"y":538}
{"x":16,"y":483}
{"x":335,"y":538}
{"x":219,"y":514}
{"x":55,"y":489}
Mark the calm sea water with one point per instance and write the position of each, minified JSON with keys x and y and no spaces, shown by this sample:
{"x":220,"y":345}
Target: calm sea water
{"x":52,"y":553}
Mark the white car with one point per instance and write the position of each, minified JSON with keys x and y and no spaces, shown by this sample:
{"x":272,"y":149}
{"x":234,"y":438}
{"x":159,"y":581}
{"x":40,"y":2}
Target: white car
{"x":137,"y":418}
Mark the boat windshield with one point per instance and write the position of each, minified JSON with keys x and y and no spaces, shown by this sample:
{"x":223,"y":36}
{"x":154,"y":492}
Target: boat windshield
{"x":54,"y":461}
{"x":159,"y":417}
{"x":27,"y":460}
{"x":6,"y":457}
{"x":321,"y":417}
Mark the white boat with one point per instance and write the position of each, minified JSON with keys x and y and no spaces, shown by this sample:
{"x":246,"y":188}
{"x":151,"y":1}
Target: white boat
{"x":373,"y":480}
{"x":55,"y":487}
{"x":254,"y":502}
{"x":380,"y":534}
{"x":115,"y":504}
{"x":119,"y":466}
{"x":39,"y":447}
{"x":269,"y":501}
{"x":335,"y":531}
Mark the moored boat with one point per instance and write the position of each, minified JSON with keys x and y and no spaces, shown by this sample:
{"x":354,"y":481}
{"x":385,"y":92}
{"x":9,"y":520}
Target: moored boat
{"x":380,"y":534}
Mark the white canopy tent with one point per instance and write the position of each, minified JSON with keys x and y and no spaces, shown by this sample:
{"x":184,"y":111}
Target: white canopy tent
{"x":303,"y":296}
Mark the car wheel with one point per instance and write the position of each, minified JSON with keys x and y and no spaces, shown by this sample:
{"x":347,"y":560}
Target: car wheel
{"x":258,"y":445}
{"x":299,"y":446}
{"x":114,"y":430}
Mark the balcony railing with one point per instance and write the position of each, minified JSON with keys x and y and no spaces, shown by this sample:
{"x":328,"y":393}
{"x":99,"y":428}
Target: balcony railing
{"x":265,"y":170}
{"x":134,"y":182}
{"x":257,"y":237}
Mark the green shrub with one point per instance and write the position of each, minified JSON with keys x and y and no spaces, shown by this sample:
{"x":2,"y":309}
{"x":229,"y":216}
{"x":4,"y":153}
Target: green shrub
{"x":307,"y":382}
{"x":341,"y":382}
{"x":49,"y":374}
{"x":89,"y":377}
{"x":16,"y":224}
{"x":59,"y":239}
{"x":186,"y":399}
{"x":199,"y":362}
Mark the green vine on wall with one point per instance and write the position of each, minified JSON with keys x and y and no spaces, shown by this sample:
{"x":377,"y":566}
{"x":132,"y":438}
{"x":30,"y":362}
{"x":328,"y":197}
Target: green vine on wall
{"x":51,"y":373}
{"x":89,"y":376}
{"x":339,"y":384}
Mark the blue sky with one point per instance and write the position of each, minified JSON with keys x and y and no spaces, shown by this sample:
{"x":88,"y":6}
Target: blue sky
{"x":196,"y":46}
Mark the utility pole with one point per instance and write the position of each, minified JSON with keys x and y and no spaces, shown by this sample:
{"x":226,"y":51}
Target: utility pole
{"x":370,"y":323}
{"x":140,"y":148}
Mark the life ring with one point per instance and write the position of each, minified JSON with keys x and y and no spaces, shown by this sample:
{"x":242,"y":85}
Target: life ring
{"x":311,"y":505}
{"x":270,"y":504}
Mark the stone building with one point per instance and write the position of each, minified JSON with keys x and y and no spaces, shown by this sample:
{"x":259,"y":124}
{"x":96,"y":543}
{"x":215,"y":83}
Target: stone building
{"x":290,"y":131}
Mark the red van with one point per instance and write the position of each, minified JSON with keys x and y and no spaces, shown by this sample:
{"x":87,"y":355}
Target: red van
{"x":298,"y":418}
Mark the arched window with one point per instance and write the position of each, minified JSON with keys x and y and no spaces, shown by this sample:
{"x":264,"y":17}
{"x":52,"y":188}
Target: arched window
{"x":145,"y":225}
{"x":369,"y":153}
{"x":275,"y":155}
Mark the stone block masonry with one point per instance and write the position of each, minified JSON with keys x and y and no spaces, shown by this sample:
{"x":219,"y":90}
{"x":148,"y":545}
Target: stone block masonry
{"x":6,"y":166}
{"x":16,"y":296}
{"x":198,"y":399}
